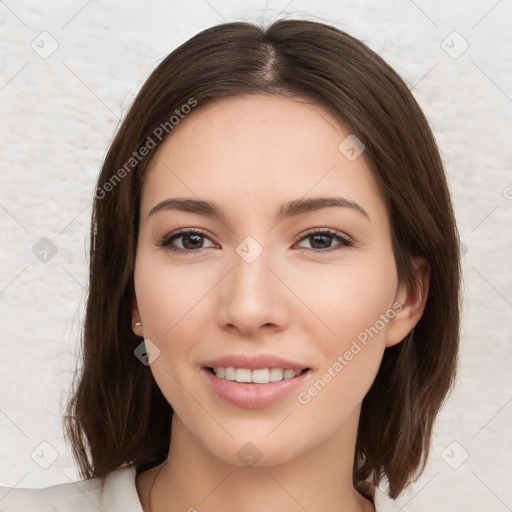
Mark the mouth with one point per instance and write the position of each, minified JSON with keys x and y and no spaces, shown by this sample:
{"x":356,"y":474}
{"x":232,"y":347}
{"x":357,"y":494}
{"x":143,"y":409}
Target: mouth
{"x":257,"y":376}
{"x":254,"y":381}
{"x":257,"y":388}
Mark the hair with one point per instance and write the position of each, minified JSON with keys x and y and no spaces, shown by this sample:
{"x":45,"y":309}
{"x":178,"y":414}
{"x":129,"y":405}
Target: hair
{"x":117,"y":414}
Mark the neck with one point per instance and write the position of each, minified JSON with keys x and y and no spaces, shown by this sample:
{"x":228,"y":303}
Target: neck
{"x":192,"y":479}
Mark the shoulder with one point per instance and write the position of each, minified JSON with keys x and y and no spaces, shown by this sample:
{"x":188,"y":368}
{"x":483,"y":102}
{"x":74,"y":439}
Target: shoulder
{"x":115,"y":492}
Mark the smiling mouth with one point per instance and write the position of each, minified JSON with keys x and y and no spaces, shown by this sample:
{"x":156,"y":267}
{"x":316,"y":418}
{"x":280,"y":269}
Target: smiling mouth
{"x":259,"y":376}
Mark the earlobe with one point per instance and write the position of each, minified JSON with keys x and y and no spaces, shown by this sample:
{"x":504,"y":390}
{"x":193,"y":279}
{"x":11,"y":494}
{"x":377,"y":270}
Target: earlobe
{"x":413,"y":300}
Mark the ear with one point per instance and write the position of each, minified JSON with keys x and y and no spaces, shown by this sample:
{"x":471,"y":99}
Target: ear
{"x":137,"y":329}
{"x":413,"y":300}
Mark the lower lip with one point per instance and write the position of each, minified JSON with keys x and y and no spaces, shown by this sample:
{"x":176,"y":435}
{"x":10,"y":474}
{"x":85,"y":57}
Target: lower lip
{"x":253,"y":396}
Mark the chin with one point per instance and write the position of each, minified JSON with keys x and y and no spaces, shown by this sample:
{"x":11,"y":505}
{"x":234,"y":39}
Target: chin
{"x":251,"y":451}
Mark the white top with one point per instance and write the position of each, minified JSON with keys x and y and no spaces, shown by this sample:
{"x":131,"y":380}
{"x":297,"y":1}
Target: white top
{"x":114,"y":493}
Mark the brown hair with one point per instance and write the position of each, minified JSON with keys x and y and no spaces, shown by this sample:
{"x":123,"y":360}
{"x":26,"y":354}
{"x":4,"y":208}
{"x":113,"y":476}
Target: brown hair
{"x":117,"y":413}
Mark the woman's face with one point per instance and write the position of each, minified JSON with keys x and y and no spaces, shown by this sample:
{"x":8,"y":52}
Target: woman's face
{"x":280,"y":281}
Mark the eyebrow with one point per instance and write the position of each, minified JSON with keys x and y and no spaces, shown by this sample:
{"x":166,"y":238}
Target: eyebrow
{"x":288,"y":209}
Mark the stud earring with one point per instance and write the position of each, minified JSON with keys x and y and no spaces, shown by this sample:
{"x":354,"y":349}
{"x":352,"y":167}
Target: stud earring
{"x":137,"y":324}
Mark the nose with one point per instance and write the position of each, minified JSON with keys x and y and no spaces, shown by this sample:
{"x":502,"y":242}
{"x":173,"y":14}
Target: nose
{"x":252,"y":298}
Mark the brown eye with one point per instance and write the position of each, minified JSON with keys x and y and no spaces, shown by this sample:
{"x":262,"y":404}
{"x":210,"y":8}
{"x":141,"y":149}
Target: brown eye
{"x":321,"y":240}
{"x":191,"y":241}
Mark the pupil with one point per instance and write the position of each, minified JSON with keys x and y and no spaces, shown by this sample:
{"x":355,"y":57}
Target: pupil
{"x":324,"y":237}
{"x":194,"y":245}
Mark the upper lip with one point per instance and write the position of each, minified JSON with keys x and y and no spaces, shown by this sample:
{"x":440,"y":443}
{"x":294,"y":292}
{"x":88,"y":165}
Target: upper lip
{"x":254,"y":362}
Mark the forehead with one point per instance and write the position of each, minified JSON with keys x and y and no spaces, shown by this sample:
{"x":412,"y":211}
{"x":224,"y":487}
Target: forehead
{"x":255,"y":152}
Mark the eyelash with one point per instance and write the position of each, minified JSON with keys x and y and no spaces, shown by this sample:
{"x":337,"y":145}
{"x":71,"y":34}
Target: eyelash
{"x":344,"y":241}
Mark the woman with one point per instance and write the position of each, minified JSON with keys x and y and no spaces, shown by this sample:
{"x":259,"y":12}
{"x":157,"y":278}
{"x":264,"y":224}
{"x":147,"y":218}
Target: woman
{"x":274,"y":280}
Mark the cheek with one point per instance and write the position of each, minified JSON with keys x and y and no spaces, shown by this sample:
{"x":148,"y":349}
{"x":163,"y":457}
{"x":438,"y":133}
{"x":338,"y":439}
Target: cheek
{"x":174,"y":307}
{"x":354,"y":304}
{"x":360,"y":301}
{"x":168,"y":295}
{"x":155,"y":307}
{"x":347,"y":299}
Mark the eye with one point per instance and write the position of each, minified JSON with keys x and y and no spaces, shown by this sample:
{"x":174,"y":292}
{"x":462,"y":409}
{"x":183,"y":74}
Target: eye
{"x":321,"y":240}
{"x":191,"y":241}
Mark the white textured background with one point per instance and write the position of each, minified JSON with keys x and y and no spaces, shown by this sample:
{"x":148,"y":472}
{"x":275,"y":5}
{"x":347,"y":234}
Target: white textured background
{"x":58,"y":114}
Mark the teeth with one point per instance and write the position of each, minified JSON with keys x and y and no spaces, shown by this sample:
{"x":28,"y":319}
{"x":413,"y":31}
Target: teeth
{"x":243,"y":375}
{"x":260,"y":376}
{"x":289,"y":374}
{"x":276,"y":374}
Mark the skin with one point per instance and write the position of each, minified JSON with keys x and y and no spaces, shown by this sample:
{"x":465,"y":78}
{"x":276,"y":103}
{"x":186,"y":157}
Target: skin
{"x":249,"y":155}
